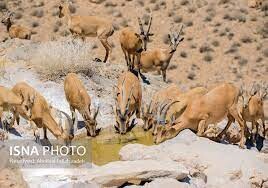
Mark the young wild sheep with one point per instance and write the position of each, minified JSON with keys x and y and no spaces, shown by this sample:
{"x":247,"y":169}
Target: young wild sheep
{"x":16,"y":31}
{"x":148,"y":111}
{"x":78,"y":99}
{"x":159,"y":59}
{"x":168,"y":111}
{"x":88,"y":26}
{"x":253,"y":109}
{"x":127,"y":100}
{"x":210,"y":108}
{"x":133,"y":44}
{"x":40,"y":113}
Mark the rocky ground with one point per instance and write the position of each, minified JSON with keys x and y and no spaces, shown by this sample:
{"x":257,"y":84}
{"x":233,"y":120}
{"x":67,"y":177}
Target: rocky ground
{"x":225,"y":40}
{"x":185,"y":161}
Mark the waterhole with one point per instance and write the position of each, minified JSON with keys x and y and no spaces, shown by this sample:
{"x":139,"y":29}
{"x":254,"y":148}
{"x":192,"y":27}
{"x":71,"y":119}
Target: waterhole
{"x":106,"y":146}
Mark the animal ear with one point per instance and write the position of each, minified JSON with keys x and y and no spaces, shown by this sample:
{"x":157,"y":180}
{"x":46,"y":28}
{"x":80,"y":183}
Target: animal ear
{"x":181,"y":39}
{"x":151,"y":34}
{"x":137,"y":35}
{"x":32,"y":99}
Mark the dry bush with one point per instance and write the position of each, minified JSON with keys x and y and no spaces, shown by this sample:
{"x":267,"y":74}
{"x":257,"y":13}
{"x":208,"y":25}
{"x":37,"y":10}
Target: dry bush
{"x":55,"y":59}
{"x":246,"y":39}
{"x":205,"y":48}
{"x":3,"y":6}
{"x":183,"y":54}
{"x":265,"y":52}
{"x":215,"y":43}
{"x":18,"y":15}
{"x":184,"y":2}
{"x":177,"y":19}
{"x":208,"y":57}
{"x":35,"y":24}
{"x":38,"y":13}
{"x":221,"y":2}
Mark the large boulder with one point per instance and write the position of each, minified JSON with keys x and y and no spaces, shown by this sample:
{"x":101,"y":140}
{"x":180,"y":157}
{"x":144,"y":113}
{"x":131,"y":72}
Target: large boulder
{"x":134,"y":172}
{"x":162,"y":182}
{"x":222,"y":164}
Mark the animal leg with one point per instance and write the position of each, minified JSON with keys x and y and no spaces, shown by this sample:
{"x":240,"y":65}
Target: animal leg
{"x":107,"y":47}
{"x":229,"y":123}
{"x":1,"y":113}
{"x":74,"y":116}
{"x":36,"y":132}
{"x":201,"y":128}
{"x":164,"y":74}
{"x":45,"y":133}
{"x":234,"y":113}
{"x":126,"y":58}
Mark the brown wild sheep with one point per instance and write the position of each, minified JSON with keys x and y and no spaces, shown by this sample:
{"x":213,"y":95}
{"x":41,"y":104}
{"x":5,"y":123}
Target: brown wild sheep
{"x":207,"y":109}
{"x":16,"y":31}
{"x":171,"y":110}
{"x":40,"y":113}
{"x":159,"y":59}
{"x":127,"y":101}
{"x":253,"y":109}
{"x":9,"y":100}
{"x":78,"y":99}
{"x":89,"y":26}
{"x":149,"y":111}
{"x":133,"y":44}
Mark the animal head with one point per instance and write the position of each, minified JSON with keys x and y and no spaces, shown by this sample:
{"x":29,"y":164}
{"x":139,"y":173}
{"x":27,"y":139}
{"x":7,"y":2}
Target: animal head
{"x":7,"y":19}
{"x":175,"y":40}
{"x":148,"y":116}
{"x":246,"y":95}
{"x":164,"y":133}
{"x":28,"y":103}
{"x":64,"y":9}
{"x":161,"y":115}
{"x":145,"y":36}
{"x":91,"y":122}
{"x":65,"y":138}
{"x":123,"y":117}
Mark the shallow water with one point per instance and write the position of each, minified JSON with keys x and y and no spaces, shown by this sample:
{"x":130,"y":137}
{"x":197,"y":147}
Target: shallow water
{"x":106,"y":146}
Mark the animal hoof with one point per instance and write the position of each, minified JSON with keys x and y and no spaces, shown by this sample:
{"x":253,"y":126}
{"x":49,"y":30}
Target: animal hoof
{"x":97,"y":60}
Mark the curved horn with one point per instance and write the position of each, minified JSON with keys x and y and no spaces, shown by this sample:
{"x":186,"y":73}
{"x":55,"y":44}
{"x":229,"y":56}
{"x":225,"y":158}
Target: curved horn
{"x":141,"y":26}
{"x":97,"y":112}
{"x":253,"y":89}
{"x":150,"y":23}
{"x":164,"y":112}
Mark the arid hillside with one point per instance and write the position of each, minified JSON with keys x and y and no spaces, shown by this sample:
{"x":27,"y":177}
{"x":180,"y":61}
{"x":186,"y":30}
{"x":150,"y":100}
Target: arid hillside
{"x":224,"y":39}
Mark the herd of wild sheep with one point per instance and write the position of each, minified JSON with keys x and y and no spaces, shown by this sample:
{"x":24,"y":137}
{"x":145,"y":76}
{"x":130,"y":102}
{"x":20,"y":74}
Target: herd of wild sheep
{"x":169,"y":111}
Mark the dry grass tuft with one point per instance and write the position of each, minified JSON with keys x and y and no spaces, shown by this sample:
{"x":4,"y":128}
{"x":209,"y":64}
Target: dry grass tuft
{"x":55,"y":59}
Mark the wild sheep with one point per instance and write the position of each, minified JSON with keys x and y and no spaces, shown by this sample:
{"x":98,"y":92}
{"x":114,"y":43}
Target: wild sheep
{"x":172,"y":109}
{"x":253,"y":109}
{"x":16,"y":31}
{"x":149,"y":111}
{"x":159,"y":59}
{"x":207,"y":109}
{"x":78,"y":99}
{"x":40,"y":113}
{"x":133,"y":44}
{"x":127,"y":100}
{"x":9,"y":100}
{"x":88,"y":26}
